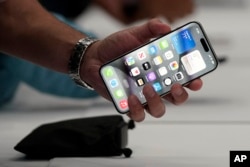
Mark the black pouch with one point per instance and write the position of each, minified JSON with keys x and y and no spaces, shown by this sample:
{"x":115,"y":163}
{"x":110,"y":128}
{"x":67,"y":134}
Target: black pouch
{"x":86,"y":137}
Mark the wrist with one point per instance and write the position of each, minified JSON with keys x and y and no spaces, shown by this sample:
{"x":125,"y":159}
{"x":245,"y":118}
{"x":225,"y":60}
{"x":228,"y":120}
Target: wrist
{"x":78,"y":62}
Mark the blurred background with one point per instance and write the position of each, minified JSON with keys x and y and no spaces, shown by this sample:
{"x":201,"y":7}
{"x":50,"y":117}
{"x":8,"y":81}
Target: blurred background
{"x":212,"y":122}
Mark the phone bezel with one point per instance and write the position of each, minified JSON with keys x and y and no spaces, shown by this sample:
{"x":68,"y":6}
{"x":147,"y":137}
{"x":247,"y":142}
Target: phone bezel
{"x":153,"y":40}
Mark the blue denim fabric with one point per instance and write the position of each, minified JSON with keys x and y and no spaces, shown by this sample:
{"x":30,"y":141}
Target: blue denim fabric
{"x":8,"y":84}
{"x":14,"y":70}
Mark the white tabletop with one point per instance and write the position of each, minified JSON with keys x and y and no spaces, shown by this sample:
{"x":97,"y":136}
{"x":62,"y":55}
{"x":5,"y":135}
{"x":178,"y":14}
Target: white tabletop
{"x":200,"y":132}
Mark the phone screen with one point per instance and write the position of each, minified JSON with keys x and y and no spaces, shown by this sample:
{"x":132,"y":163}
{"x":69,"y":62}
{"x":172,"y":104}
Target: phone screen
{"x":179,"y":56}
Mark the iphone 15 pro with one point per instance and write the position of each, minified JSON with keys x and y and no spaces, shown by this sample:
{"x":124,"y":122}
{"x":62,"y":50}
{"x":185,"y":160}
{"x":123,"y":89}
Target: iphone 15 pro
{"x":182,"y":55}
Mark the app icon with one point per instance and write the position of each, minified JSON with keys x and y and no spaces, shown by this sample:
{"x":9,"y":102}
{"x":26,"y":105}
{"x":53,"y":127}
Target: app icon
{"x":130,"y":61}
{"x":113,"y":83}
{"x":158,"y":60}
{"x":135,"y":71}
{"x":151,"y":76}
{"x":179,"y":76}
{"x":157,"y":86}
{"x":119,"y":93}
{"x":183,"y":41}
{"x":123,"y":104}
{"x":152,"y":50}
{"x":167,"y":81}
{"x":174,"y":65}
{"x":169,"y":55}
{"x":108,"y":72}
{"x":141,"y":55}
{"x":146,"y":66}
{"x":193,"y":62}
{"x":140,"y":82}
{"x":163,"y":71}
{"x":163,"y":44}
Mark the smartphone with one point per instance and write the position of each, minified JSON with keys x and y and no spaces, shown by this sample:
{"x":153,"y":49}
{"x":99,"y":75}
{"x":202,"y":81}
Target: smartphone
{"x":182,"y":55}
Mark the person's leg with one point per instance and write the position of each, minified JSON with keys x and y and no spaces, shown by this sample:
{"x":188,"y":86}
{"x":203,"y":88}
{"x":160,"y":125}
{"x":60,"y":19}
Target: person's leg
{"x":8,"y":84}
{"x":40,"y":78}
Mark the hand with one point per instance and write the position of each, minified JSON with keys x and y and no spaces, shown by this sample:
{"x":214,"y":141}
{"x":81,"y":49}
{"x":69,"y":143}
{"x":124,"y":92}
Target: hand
{"x":119,"y":43}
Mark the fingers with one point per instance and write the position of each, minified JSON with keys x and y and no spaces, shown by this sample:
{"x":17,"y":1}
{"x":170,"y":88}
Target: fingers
{"x":195,"y":85}
{"x":117,"y":43}
{"x":151,"y":29}
{"x":136,"y":109}
{"x":178,"y":95}
{"x":155,"y":106}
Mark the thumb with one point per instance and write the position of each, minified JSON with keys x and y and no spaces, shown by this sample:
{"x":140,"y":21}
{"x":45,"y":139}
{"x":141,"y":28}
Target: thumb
{"x":151,"y":29}
{"x":123,"y":41}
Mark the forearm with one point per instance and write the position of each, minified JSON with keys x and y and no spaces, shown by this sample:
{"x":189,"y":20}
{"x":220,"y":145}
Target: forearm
{"x":30,"y":32}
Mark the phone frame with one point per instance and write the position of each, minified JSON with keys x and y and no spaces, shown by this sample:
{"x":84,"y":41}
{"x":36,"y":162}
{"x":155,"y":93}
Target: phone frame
{"x":153,"y":40}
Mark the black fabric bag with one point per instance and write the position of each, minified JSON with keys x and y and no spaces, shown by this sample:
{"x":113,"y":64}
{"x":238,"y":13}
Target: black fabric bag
{"x":85,"y":137}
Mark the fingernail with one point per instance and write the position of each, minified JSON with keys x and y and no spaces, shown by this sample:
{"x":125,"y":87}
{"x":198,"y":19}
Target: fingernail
{"x":178,"y":92}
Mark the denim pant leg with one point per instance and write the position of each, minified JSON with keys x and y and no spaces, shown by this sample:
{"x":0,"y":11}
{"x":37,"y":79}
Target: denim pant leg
{"x":8,"y":84}
{"x":43,"y":79}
